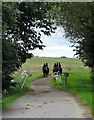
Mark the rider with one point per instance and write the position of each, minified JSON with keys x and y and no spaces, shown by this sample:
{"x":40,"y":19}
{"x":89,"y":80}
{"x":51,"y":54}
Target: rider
{"x":55,"y":69}
{"x":60,"y":69}
{"x":45,"y":69}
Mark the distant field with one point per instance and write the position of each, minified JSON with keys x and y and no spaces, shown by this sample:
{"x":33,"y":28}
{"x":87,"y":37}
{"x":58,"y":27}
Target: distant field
{"x":35,"y":64}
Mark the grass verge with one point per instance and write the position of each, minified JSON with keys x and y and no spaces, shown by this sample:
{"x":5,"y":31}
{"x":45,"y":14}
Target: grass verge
{"x":79,"y":83}
{"x":16,"y":92}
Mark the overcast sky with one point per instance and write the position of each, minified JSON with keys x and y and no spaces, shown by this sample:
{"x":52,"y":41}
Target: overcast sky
{"x":56,"y":46}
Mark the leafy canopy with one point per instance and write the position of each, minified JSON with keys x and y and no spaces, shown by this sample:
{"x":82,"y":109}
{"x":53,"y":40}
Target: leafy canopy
{"x":22,"y":25}
{"x":77,"y":20}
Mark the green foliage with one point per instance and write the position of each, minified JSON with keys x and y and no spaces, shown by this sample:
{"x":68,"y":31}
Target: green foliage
{"x":77,"y":20}
{"x":22,"y":25}
{"x":63,"y":57}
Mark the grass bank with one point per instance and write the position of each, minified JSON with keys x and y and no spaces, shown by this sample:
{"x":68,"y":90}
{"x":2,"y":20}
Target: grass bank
{"x":16,"y":92}
{"x":79,"y":83}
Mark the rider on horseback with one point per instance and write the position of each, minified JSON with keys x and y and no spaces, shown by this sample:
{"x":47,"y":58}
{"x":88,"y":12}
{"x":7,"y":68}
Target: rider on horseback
{"x":45,"y":69}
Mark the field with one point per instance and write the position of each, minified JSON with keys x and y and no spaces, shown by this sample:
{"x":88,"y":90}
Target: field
{"x":79,"y":82}
{"x":35,"y":64}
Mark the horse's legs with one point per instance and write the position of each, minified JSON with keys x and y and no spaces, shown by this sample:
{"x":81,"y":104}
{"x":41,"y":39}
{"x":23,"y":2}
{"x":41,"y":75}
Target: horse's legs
{"x":44,"y":74}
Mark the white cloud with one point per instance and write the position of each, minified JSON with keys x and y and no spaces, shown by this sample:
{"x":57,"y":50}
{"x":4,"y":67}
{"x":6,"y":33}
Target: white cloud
{"x":52,"y":51}
{"x":56,"y":46}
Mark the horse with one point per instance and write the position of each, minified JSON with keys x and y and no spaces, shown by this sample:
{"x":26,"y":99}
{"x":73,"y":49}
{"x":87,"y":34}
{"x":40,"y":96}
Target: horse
{"x":45,"y":70}
{"x":57,"y":68}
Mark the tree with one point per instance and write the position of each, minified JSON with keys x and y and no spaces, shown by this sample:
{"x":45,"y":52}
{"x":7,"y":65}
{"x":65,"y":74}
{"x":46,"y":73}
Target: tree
{"x":77,"y":20}
{"x":21,"y":22}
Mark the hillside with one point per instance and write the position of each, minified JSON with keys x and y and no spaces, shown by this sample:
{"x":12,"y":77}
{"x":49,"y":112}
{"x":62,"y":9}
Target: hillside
{"x":35,"y":64}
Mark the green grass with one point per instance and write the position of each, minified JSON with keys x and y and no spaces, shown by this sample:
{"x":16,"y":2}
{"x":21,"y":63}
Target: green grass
{"x":14,"y":93}
{"x":35,"y":64}
{"x":79,"y":83}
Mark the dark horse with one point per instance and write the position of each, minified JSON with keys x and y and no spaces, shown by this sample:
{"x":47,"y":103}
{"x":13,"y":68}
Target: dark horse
{"x":57,"y":68}
{"x":45,"y":70}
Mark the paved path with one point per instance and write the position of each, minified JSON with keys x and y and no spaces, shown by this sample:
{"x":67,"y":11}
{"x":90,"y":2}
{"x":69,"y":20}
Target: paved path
{"x":45,"y":102}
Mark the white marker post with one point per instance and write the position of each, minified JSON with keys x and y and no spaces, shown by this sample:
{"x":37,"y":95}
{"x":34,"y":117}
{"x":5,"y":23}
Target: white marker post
{"x":23,"y":83}
{"x":21,"y":78}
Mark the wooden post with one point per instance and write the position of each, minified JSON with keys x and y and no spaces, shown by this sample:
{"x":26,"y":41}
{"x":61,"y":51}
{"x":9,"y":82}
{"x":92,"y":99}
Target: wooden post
{"x":66,"y":75}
